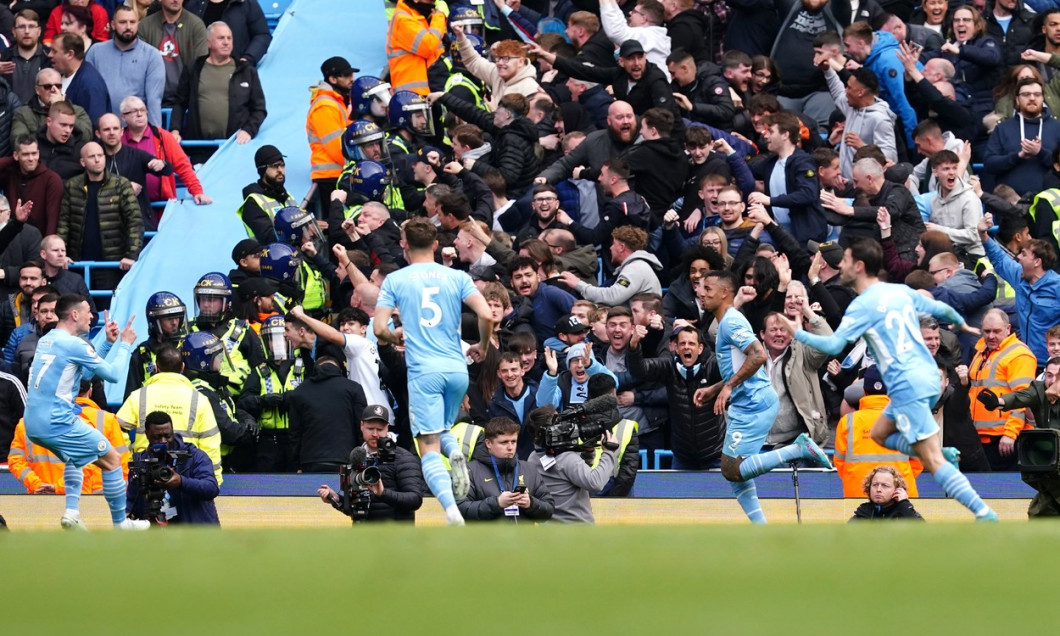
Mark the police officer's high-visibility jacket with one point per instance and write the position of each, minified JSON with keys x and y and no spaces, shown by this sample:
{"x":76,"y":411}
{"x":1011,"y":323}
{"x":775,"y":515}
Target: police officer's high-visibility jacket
{"x":1009,"y":368}
{"x":190,"y":411}
{"x":326,"y":122}
{"x":458,"y":79}
{"x":391,"y":195}
{"x":270,"y":381}
{"x":236,"y":367}
{"x":314,"y":287}
{"x":856,"y":454}
{"x":1045,"y":216}
{"x":35,"y":465}
{"x":412,"y":45}
{"x":268,"y":205}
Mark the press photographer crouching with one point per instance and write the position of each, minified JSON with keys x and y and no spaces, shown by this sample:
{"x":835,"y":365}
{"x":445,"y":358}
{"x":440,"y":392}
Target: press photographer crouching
{"x":381,"y":481}
{"x":565,"y":459}
{"x":1037,"y":449}
{"x":171,"y":481}
{"x":502,"y":485}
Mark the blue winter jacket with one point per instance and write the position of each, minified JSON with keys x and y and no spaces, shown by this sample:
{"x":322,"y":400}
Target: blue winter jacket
{"x":198,"y":488}
{"x":883,"y":61}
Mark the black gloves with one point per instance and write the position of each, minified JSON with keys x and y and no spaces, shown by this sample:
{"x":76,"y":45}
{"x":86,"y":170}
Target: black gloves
{"x":988,"y":399}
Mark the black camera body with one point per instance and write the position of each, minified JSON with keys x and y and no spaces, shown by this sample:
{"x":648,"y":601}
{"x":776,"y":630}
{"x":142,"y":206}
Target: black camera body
{"x":1038,"y":452}
{"x":579,"y":427}
{"x":152,"y":469}
{"x":358,"y":475}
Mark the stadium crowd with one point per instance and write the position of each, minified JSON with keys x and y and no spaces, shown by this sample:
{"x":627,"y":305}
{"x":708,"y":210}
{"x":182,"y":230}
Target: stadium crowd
{"x":586,"y":163}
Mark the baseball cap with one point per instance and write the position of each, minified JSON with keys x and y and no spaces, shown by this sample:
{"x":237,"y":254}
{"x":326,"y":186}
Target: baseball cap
{"x":337,"y":67}
{"x":267,"y":155}
{"x":376,"y":412}
{"x":245,"y":248}
{"x":630,"y":47}
{"x":570,"y":324}
{"x":421,"y":155}
{"x":831,"y":251}
{"x":255,"y":287}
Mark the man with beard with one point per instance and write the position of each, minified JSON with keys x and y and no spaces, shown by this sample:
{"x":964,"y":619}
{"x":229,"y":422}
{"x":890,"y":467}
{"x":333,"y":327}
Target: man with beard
{"x":329,"y":115}
{"x":266,"y":196}
{"x":545,"y":203}
{"x":585,"y":161}
{"x":21,"y":63}
{"x":129,"y":65}
{"x":1019,"y":151}
{"x":180,"y":36}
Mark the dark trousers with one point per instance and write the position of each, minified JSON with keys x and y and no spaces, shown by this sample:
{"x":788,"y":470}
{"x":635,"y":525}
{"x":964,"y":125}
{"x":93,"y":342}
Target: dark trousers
{"x":276,"y":453}
{"x":324,"y":189}
{"x":999,"y":464}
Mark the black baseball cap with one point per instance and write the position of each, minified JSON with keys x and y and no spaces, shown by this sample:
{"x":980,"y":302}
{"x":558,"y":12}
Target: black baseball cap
{"x":337,"y":67}
{"x":831,"y":251}
{"x":376,"y":412}
{"x":630,"y":47}
{"x":569,"y":324}
{"x":245,"y":248}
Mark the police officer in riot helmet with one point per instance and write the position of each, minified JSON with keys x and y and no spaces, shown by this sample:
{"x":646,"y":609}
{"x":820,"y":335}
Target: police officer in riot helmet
{"x":213,"y":313}
{"x":203,"y":355}
{"x":167,"y":323}
{"x":298,"y":229}
{"x":370,"y":99}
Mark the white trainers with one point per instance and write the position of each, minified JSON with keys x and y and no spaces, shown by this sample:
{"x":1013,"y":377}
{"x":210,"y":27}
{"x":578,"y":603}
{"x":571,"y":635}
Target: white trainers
{"x":72,"y":522}
{"x":459,"y":474}
{"x":133,"y":524}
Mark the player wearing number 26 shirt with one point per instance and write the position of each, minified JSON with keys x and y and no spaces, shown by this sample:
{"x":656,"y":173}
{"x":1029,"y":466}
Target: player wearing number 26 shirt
{"x":429,"y":298}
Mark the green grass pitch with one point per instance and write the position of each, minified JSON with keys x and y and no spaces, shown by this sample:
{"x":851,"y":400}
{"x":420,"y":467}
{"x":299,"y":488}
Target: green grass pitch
{"x":889,"y":578}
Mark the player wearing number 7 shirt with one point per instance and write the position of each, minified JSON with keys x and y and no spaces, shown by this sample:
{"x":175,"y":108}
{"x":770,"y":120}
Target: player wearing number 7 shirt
{"x":63,"y":357}
{"x":885,"y":315}
{"x":428,"y":297}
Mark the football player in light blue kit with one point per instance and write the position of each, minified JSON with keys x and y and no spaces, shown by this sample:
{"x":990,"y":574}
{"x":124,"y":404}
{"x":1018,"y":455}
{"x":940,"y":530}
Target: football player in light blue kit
{"x":62,"y":358}
{"x":428,"y":297}
{"x":754,"y":404}
{"x":885,"y":315}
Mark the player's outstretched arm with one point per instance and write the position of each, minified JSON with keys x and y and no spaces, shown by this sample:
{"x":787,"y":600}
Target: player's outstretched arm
{"x":941,"y":311}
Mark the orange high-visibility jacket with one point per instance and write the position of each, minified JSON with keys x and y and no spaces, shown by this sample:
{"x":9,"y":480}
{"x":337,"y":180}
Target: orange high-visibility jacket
{"x":856,"y":454}
{"x":412,"y":45}
{"x":35,"y":465}
{"x":1009,"y":368}
{"x":324,"y":125}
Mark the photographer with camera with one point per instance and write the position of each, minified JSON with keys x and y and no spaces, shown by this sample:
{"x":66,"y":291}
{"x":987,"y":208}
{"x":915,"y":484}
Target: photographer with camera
{"x":505,"y":486}
{"x":1042,"y":397}
{"x":565,"y":459}
{"x":391,"y":485}
{"x":171,"y":481}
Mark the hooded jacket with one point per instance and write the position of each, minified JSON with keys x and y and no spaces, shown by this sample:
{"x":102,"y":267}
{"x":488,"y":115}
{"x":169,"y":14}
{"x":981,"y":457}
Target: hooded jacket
{"x":802,"y":194}
{"x":481,"y":501}
{"x":570,"y":481}
{"x":688,"y":30}
{"x":1002,"y":159}
{"x":922,"y":170}
{"x":636,"y":274}
{"x":652,"y":90}
{"x":524,"y":82}
{"x":658,"y":169}
{"x":883,"y":61}
{"x":512,"y":153}
{"x":957,"y":214}
{"x":874,"y":124}
{"x":324,"y":413}
{"x":63,"y":159}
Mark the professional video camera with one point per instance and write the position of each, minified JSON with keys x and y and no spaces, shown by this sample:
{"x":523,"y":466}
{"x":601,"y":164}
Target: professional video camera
{"x":386,"y":453}
{"x":355,"y":478}
{"x":580,"y":427}
{"x":151,"y":470}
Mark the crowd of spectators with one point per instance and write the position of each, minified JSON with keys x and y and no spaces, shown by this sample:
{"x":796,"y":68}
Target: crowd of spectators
{"x":586,"y":163}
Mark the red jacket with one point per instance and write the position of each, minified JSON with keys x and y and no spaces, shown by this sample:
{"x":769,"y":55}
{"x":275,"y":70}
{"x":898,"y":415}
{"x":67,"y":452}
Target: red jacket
{"x":42,"y":186}
{"x":168,"y":149}
{"x":100,"y":26}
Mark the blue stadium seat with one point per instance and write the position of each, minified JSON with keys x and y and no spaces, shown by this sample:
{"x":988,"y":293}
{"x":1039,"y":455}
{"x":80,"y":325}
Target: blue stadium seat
{"x":644,"y":460}
{"x":659,"y":454}
{"x":273,"y":10}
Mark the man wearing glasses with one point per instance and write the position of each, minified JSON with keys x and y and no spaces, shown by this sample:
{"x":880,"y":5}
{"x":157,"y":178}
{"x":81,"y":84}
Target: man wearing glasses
{"x":20,"y":64}
{"x":1019,"y":152}
{"x":545,"y":205}
{"x":29,"y":119}
{"x":266,"y":196}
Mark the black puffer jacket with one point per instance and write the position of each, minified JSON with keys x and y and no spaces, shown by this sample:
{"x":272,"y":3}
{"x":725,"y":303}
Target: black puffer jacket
{"x":403,"y":489}
{"x":659,"y":168}
{"x":688,"y":30}
{"x":696,"y":434}
{"x":513,"y":145}
{"x":1019,"y":34}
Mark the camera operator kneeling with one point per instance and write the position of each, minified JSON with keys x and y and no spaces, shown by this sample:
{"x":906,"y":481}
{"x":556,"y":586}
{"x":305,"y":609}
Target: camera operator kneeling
{"x":171,"y":481}
{"x":565,"y":465}
{"x":503,"y":485}
{"x":397,"y":493}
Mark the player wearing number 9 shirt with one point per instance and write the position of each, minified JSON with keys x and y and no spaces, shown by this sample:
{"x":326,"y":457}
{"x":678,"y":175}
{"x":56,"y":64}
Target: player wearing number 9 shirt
{"x":61,"y":360}
{"x":429,"y":297}
{"x":885,"y":315}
